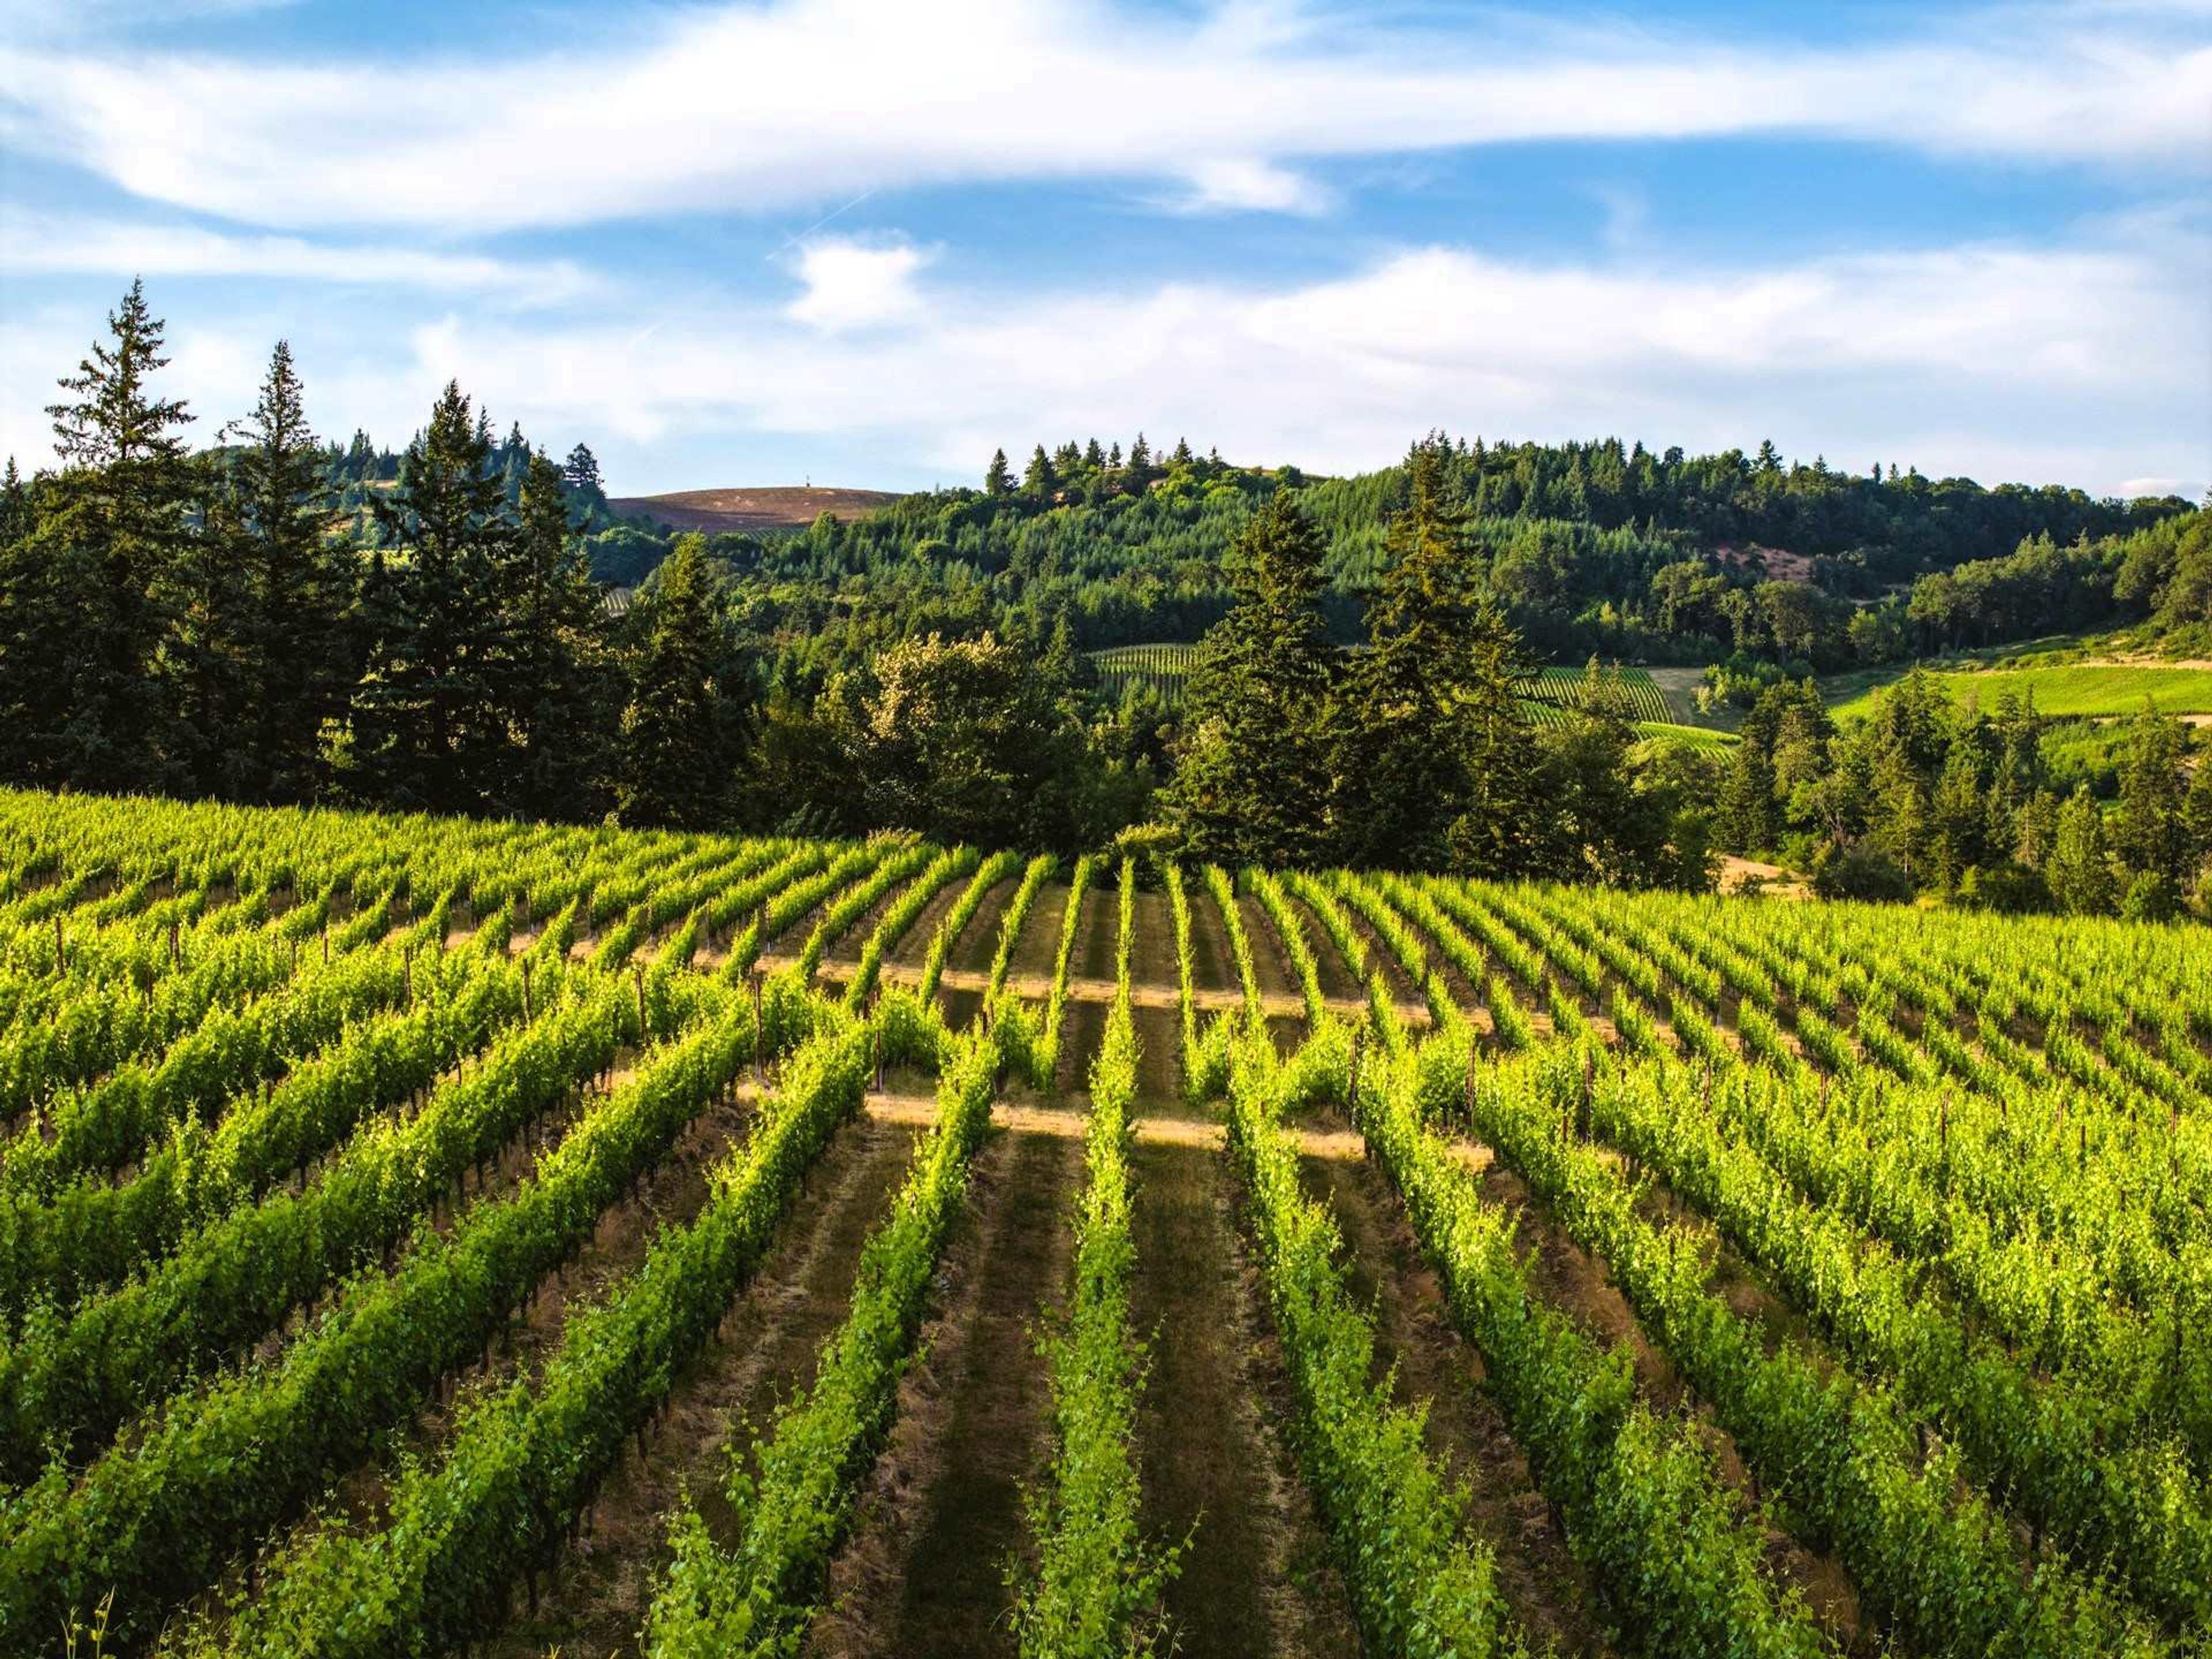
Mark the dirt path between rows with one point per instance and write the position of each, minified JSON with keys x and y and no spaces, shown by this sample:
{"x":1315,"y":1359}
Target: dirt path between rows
{"x":1257,"y":1579}
{"x":1547,"y":1588}
{"x":940,"y":1518}
{"x":595,"y":1599}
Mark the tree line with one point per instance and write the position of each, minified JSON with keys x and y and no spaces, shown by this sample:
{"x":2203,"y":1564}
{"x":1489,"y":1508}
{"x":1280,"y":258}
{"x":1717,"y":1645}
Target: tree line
{"x":1966,"y":805}
{"x":1415,"y":750}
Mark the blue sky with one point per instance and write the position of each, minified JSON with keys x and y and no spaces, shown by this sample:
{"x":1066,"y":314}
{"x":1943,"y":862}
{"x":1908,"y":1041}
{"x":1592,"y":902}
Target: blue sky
{"x":867,"y":242}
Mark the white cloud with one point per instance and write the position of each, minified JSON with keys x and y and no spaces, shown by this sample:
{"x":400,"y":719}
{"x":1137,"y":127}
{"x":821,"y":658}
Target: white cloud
{"x":795,"y":101}
{"x":2076,"y":365}
{"x":1248,"y":185}
{"x":856,"y":285}
{"x":38,"y":244}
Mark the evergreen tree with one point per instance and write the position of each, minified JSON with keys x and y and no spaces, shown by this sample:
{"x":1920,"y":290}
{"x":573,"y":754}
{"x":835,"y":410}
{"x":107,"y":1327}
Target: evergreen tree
{"x":1141,"y":465}
{"x":1434,"y":760}
{"x":84,"y":700}
{"x":1182,"y":457}
{"x":298,"y":648}
{"x":1252,"y":782}
{"x":1038,"y":482}
{"x":682,"y":731}
{"x":555,"y":676}
{"x":998,"y":478}
{"x":2080,"y":870}
{"x":15,"y":506}
{"x":428,"y":728}
{"x":2152,"y":837}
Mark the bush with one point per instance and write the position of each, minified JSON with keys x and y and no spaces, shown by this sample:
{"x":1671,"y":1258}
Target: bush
{"x":1859,"y":872}
{"x":2151,"y":896}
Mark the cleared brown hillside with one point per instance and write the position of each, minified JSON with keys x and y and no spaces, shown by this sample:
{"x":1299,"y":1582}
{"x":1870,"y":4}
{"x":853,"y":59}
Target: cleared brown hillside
{"x":764,"y":508}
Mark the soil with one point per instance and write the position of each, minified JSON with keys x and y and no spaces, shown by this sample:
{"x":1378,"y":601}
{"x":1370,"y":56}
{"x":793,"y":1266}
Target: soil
{"x":940,"y":1518}
{"x":1256,"y":1579}
{"x":1547,"y":1588}
{"x":595,"y":1599}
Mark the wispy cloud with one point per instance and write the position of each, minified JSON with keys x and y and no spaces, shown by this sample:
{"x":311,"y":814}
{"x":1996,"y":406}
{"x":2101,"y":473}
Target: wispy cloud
{"x":801,"y":101}
{"x":46,"y":244}
{"x":2077,"y":364}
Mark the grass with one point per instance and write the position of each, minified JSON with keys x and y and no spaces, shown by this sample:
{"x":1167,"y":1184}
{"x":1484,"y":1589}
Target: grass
{"x":2065,"y":690}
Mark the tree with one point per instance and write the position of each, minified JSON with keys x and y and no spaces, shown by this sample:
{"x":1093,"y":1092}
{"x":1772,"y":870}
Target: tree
{"x":962,"y":740}
{"x":2152,"y":835}
{"x":1038,"y":482}
{"x":83,"y":698}
{"x":1434,"y":762}
{"x":428,"y":729}
{"x":997,"y":479}
{"x":1141,"y":465}
{"x":581,"y":474}
{"x":683,"y":729}
{"x":302,"y":582}
{"x":2079,"y":870}
{"x":1252,"y":783}
{"x":15,"y":506}
{"x":554,"y":674}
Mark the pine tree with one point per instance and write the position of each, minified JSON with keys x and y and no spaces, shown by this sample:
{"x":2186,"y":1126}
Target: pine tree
{"x":998,"y":478}
{"x":1141,"y":465}
{"x":15,"y":506}
{"x":84,"y":699}
{"x":1769,"y":464}
{"x":2079,"y":870}
{"x":1252,"y":782}
{"x":1038,"y":482}
{"x":1435,"y":763}
{"x":2152,"y":837}
{"x":1182,"y":457}
{"x":579,"y":474}
{"x":554,"y":677}
{"x":428,"y":730}
{"x":683,"y":729}
{"x":298,"y":647}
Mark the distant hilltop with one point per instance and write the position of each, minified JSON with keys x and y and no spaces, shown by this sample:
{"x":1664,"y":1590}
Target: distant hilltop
{"x":767,"y":507}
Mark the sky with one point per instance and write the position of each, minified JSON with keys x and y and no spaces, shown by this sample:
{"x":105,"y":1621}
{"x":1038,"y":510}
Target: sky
{"x":865,"y":242}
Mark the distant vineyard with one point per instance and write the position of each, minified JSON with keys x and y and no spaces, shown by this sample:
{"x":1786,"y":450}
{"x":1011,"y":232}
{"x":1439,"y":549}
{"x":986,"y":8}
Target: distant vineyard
{"x":428,"y":1236}
{"x":1567,"y":688}
{"x":1161,"y":669}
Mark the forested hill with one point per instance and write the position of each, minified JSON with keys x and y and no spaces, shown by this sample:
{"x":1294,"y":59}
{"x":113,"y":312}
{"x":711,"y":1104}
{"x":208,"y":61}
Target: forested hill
{"x":1597,"y":547}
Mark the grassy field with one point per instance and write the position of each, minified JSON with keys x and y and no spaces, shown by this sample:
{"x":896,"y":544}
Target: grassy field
{"x":2071,"y":689}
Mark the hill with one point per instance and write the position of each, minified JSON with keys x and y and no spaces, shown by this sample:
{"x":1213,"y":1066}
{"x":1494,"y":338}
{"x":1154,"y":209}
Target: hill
{"x":750,"y":507}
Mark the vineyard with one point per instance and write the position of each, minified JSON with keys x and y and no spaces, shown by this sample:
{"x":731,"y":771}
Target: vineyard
{"x":421,"y":1235}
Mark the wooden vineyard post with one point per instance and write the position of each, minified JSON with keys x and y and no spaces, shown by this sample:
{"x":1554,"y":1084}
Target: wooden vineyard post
{"x":760,"y":1034}
{"x":326,"y":941}
{"x":61,"y":953}
{"x":526,"y":990}
{"x":1352,"y":1093}
{"x":1469,"y":1102}
{"x":879,"y":1058}
{"x":637,"y":975}
{"x":407,"y":979}
{"x":176,"y":950}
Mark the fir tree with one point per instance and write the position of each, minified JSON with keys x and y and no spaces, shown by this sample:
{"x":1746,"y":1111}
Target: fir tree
{"x":84,"y":700}
{"x":555,"y":676}
{"x":2079,"y":870}
{"x":302,"y":582}
{"x":1038,"y":482}
{"x":1252,"y":781}
{"x":683,"y":729}
{"x":428,"y":732}
{"x":998,"y":478}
